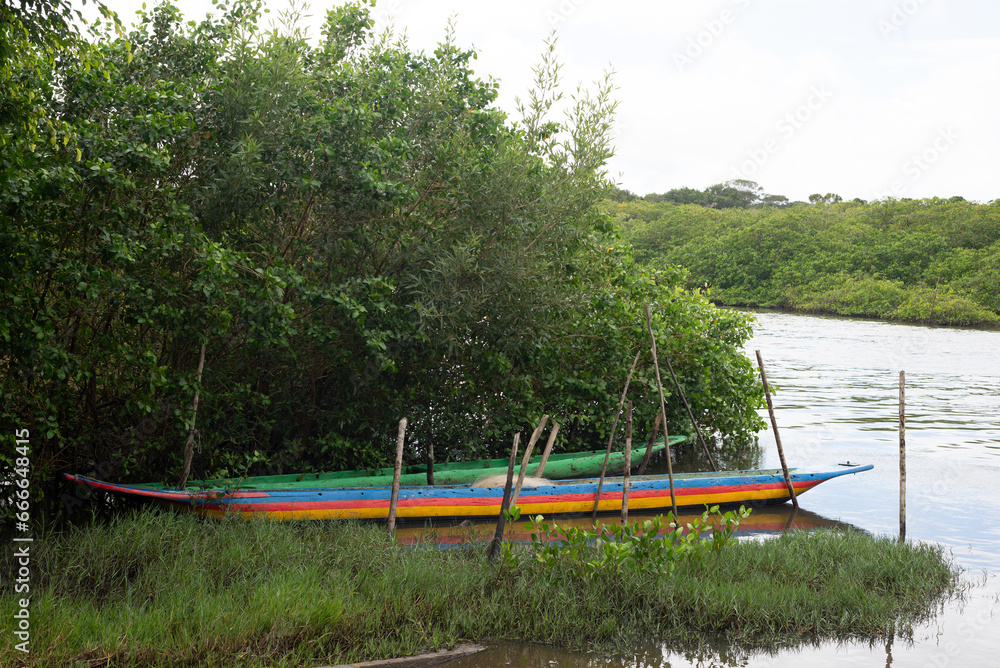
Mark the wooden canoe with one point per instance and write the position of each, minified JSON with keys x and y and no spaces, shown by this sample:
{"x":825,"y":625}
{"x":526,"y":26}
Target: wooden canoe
{"x":560,"y":466}
{"x":560,"y":497}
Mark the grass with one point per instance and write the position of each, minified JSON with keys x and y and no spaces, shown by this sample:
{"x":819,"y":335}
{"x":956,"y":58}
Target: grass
{"x":160,"y":589}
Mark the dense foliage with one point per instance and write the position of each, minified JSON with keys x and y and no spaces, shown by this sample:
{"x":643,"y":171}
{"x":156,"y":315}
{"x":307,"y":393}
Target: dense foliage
{"x":931,"y":260}
{"x":349,"y":233}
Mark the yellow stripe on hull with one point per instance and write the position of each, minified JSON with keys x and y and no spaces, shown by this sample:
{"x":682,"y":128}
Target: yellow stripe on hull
{"x":527,"y":509}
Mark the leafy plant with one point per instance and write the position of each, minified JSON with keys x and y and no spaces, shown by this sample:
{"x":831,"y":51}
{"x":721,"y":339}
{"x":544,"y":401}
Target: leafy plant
{"x":655,"y":545}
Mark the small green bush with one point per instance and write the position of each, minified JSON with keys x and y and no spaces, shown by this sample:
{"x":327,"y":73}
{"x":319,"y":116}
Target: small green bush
{"x":569,"y":551}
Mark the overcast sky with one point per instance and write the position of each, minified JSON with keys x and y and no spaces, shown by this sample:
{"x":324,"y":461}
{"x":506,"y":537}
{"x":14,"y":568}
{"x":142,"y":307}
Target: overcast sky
{"x":863,"y":98}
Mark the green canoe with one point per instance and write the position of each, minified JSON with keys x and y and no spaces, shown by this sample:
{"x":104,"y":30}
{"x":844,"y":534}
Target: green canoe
{"x":560,"y":466}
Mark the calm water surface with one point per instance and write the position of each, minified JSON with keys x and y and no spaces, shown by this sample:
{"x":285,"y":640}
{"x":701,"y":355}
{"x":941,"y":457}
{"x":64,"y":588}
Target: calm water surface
{"x":837,"y":399}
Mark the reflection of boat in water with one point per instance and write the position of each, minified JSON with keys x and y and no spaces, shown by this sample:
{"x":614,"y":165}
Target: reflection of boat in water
{"x":556,"y":497}
{"x":764,"y":520}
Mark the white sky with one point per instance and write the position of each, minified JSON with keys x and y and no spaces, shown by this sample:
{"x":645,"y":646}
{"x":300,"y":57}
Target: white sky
{"x":863,"y":98}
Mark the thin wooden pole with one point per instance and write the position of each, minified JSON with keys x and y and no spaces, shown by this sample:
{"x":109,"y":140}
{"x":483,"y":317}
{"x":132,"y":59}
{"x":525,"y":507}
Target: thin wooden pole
{"x":430,"y":464}
{"x":611,"y":438}
{"x":701,"y":438}
{"x":649,"y":444}
{"x":902,"y":456}
{"x":491,"y":552}
{"x":628,"y":462}
{"x":394,"y":496}
{"x":777,"y":437}
{"x":548,"y":450}
{"x":189,"y":444}
{"x":663,"y":410}
{"x":527,"y":458}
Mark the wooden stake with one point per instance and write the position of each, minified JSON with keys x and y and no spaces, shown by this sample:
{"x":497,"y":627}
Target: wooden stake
{"x":777,"y":437}
{"x":628,"y":462}
{"x":701,"y":438}
{"x":614,"y":428}
{"x":430,"y":464}
{"x":189,"y":444}
{"x":649,"y":444}
{"x":902,"y":456}
{"x":527,"y":458}
{"x":548,"y":450}
{"x":663,"y":410}
{"x":394,"y":496}
{"x":491,"y":552}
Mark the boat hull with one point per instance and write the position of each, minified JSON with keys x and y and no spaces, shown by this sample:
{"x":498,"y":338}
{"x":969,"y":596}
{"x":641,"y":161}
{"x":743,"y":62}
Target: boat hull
{"x":646,"y":493}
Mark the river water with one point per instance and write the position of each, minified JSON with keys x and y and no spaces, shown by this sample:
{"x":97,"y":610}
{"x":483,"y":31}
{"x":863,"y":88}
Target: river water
{"x":837,"y":399}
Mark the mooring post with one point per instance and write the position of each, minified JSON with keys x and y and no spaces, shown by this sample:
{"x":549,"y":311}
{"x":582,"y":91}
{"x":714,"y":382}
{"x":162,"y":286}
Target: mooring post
{"x":628,"y":462}
{"x":777,"y":437}
{"x":548,"y":450}
{"x":527,"y":458}
{"x":394,"y":496}
{"x":611,"y":438}
{"x":491,"y":552}
{"x":189,"y":444}
{"x":694,"y":423}
{"x":649,"y":444}
{"x":430,"y":464}
{"x":663,"y":409}
{"x":902,"y":456}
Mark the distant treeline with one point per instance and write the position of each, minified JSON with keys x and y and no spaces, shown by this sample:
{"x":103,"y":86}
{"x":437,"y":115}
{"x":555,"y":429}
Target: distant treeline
{"x":930,"y":260}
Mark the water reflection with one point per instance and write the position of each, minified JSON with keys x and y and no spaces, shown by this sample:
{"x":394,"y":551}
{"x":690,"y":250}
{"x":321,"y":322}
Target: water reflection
{"x":706,"y":655}
{"x":762,"y":521}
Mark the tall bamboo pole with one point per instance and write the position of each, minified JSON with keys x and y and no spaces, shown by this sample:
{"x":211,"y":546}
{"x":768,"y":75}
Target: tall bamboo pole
{"x":189,"y":444}
{"x":649,"y":444}
{"x":628,"y":462}
{"x":394,"y":496}
{"x":670,"y":368}
{"x":777,"y":437}
{"x":430,"y":464}
{"x":527,"y":458}
{"x":491,"y":552}
{"x":540,"y":471}
{"x":663,"y":409}
{"x":611,"y":438}
{"x":902,"y":456}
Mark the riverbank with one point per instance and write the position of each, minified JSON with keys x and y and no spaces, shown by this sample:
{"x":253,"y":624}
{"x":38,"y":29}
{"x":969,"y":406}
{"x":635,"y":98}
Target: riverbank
{"x":869,"y":299}
{"x":916,"y":261}
{"x":161,"y":589}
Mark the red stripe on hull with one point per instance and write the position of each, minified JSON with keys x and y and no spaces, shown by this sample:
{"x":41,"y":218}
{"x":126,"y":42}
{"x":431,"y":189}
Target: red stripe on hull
{"x":538,"y":499}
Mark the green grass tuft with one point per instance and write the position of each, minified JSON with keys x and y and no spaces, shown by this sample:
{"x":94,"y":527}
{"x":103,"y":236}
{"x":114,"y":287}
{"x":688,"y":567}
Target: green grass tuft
{"x":161,"y":589}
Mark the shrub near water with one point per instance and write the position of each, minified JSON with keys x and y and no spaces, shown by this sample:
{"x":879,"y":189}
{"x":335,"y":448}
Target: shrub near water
{"x":158,"y":589}
{"x":655,"y":546}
